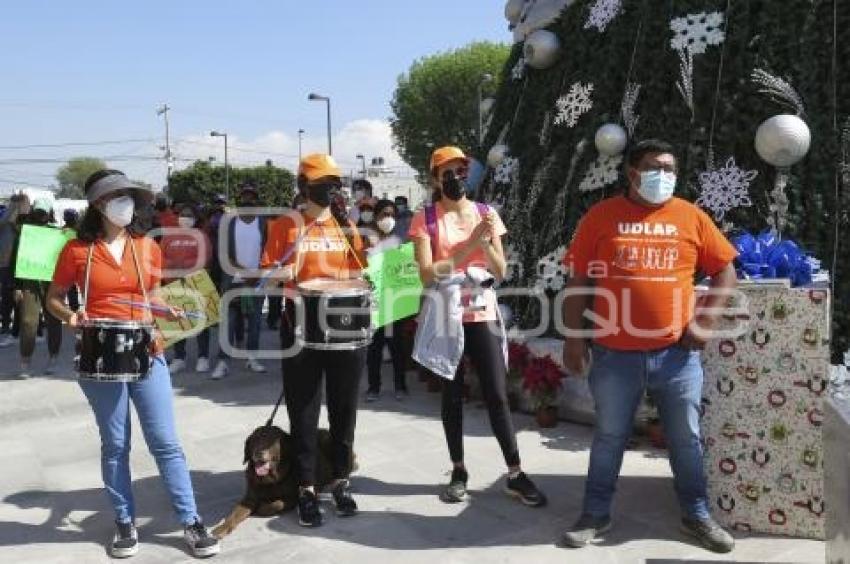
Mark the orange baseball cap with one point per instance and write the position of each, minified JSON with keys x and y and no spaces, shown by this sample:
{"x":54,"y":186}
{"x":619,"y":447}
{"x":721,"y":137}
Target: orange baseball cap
{"x":445,"y":154}
{"x":318,"y":165}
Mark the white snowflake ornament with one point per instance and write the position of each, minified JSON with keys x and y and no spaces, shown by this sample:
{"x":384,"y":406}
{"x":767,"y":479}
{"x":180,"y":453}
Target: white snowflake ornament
{"x":724,"y":189}
{"x":603,"y":13}
{"x":573,"y":104}
{"x":518,"y":72}
{"x":695,"y":32}
{"x":504,"y":173}
{"x":604,"y":171}
{"x":513,"y":262}
{"x":551,"y":272}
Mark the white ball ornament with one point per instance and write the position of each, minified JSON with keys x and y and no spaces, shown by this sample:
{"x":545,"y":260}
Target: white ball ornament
{"x":513,"y":10}
{"x":496,"y":155}
{"x":611,"y":139}
{"x":542,"y":48}
{"x":783,"y":140}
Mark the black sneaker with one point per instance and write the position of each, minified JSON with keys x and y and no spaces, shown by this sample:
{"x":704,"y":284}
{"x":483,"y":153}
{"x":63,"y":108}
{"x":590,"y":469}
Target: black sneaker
{"x":455,"y":492}
{"x":345,"y":504}
{"x":524,"y":490}
{"x":126,"y":541}
{"x":309,"y":514}
{"x":585,"y":530}
{"x":709,"y":533}
{"x":200,"y":541}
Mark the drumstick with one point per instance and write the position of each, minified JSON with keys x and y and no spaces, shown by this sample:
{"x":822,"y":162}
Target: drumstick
{"x":158,"y":309}
{"x":286,"y":256}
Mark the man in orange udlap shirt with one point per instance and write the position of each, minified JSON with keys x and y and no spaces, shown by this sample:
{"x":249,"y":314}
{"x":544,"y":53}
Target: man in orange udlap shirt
{"x":637,"y":255}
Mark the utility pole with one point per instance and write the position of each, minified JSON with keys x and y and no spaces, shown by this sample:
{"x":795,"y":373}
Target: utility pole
{"x":163,"y":111}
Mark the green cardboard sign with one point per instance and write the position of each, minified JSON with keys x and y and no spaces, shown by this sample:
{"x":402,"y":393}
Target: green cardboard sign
{"x":394,"y":275}
{"x":38,"y":251}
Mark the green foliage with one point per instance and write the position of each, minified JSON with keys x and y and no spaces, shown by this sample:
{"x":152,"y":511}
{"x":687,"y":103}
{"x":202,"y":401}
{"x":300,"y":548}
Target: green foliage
{"x":791,"y":39}
{"x":436,"y":102}
{"x":201,"y":182}
{"x":72,"y":176}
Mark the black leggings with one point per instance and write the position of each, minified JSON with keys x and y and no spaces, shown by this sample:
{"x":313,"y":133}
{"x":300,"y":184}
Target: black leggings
{"x":484,"y":349}
{"x":302,"y":384}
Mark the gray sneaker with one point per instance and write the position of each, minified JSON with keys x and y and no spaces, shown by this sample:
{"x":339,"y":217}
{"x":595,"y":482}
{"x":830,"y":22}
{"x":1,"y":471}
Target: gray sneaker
{"x":709,"y":533}
{"x":455,"y":492}
{"x":585,"y":530}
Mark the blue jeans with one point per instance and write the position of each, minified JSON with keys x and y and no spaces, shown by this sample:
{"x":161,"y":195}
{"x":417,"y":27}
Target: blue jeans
{"x":152,"y":397}
{"x":618,"y":380}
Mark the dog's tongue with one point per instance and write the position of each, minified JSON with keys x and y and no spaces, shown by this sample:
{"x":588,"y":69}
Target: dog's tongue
{"x":263,"y":469}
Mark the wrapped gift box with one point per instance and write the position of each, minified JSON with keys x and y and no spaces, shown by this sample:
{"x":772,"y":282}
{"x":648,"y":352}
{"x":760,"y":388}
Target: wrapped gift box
{"x":763,"y":411}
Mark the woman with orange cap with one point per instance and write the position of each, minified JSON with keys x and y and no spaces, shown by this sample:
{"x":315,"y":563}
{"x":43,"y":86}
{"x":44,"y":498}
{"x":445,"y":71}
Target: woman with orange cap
{"x":449,"y":236}
{"x":319,"y":242}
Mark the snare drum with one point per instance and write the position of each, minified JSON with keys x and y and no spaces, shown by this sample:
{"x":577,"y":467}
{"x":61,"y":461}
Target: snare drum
{"x":337,"y":314}
{"x":110,"y":350}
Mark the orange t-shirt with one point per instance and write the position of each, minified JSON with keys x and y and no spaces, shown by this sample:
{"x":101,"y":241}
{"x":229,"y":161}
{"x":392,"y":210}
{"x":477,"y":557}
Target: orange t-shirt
{"x":453,"y":230}
{"x":642,"y":262}
{"x":323,"y":252}
{"x":109,"y":280}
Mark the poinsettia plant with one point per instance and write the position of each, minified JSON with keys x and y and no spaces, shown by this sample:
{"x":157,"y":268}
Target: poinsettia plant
{"x":542,"y":378}
{"x":518,"y":356}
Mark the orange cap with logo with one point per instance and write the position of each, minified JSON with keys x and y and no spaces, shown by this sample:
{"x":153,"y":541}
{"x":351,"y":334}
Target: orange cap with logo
{"x":318,"y":165}
{"x":445,"y":154}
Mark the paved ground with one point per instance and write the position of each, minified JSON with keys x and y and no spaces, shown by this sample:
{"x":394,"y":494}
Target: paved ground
{"x":52,"y":507}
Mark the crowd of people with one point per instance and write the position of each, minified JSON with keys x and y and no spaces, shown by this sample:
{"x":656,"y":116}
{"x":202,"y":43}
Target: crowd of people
{"x":114,"y":265}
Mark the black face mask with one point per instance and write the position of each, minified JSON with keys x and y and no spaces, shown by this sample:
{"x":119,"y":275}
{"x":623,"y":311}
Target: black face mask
{"x":39,"y":217}
{"x":454,"y":188}
{"x":321,"y":194}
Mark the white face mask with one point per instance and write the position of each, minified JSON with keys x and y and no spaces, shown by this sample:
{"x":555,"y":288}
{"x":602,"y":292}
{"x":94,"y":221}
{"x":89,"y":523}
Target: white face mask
{"x":354,"y":214}
{"x":367,"y":216}
{"x":186,"y":222}
{"x":657,"y":186}
{"x":386,"y":224}
{"x":120,"y":210}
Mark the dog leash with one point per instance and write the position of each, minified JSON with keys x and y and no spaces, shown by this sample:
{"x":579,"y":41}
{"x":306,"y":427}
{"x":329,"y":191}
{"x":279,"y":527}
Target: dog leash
{"x":274,"y":411}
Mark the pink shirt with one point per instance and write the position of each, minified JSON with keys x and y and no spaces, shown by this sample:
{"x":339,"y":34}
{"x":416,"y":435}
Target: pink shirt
{"x":453,"y":230}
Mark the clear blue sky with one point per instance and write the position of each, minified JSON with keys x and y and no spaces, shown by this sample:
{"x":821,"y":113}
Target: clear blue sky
{"x":89,"y":70}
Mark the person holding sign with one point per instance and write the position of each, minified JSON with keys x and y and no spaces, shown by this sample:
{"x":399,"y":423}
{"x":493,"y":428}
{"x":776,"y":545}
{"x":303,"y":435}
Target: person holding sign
{"x":30,"y":294}
{"x":450,"y":236}
{"x":318,"y":246}
{"x":381,"y":238}
{"x":115,"y":264}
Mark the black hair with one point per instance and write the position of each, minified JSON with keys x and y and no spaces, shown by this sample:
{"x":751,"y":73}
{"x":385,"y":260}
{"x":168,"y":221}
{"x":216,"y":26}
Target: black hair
{"x":90,"y":227}
{"x":646,"y":147}
{"x":385,"y":204}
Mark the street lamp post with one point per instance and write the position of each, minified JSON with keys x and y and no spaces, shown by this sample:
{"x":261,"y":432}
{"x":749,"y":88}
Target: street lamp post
{"x":226,"y":171}
{"x":485,"y":78}
{"x":313,"y":97}
{"x":300,"y":141}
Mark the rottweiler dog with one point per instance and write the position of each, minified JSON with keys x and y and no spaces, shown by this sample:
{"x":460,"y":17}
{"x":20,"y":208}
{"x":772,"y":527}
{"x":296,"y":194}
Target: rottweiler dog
{"x":271,"y":484}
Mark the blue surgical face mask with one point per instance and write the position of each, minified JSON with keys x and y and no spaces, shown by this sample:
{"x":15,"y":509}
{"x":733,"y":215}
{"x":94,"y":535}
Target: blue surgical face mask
{"x":657,"y":186}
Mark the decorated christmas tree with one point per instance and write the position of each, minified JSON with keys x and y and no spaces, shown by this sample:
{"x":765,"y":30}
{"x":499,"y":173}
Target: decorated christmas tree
{"x":755,"y":94}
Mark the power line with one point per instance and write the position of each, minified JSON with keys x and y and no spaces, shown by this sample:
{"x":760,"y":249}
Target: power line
{"x":76,"y":144}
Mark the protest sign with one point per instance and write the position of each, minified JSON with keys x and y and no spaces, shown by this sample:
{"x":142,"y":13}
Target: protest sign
{"x":397,"y":290}
{"x":38,"y":251}
{"x":195,"y":292}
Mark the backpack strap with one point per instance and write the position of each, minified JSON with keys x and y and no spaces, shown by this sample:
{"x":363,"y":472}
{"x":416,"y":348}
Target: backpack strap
{"x":431,"y":226}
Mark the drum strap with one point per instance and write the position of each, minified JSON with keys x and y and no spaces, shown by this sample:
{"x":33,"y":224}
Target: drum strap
{"x":138,"y":269}
{"x":86,"y":276}
{"x":348,"y":243}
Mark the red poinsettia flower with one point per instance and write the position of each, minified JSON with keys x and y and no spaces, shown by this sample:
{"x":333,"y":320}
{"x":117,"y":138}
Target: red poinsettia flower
{"x":518,"y":355}
{"x":542,"y":378}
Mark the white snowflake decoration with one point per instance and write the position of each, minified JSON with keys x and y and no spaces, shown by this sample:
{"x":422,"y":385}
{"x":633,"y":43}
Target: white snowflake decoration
{"x":513,"y":272}
{"x":604,"y":171}
{"x":723,"y":189}
{"x":695,"y":32}
{"x":573,"y":104}
{"x":603,"y":13}
{"x":518,"y":72}
{"x":551,"y":272}
{"x":504,"y":173}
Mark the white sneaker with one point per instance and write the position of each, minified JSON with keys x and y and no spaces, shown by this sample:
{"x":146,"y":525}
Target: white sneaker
{"x":202,"y":365}
{"x":39,"y":339}
{"x":25,"y":369}
{"x":220,"y":370}
{"x":177,"y":365}
{"x":255,"y":366}
{"x":51,"y":366}
{"x":6,"y":341}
